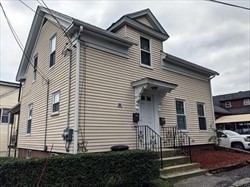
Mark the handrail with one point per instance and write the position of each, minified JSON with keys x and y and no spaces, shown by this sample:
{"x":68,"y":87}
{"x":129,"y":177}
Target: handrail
{"x":148,"y":139}
{"x":173,"y":137}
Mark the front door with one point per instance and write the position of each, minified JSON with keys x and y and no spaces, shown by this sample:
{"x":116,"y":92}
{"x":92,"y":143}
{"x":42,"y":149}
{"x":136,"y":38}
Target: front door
{"x":147,"y":111}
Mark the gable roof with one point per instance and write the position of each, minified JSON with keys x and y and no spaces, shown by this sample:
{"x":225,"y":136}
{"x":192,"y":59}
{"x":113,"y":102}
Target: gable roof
{"x":130,"y":19}
{"x":70,"y":24}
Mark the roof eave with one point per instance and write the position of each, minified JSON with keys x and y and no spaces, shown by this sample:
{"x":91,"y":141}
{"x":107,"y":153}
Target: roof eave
{"x":190,"y":65}
{"x":134,"y":24}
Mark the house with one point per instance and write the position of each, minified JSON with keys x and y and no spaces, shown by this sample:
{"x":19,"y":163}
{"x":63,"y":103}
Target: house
{"x":8,"y":98}
{"x":86,"y":89}
{"x":232,"y":111}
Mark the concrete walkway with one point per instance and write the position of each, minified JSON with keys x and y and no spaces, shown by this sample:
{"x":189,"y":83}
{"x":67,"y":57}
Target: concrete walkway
{"x":235,"y":178}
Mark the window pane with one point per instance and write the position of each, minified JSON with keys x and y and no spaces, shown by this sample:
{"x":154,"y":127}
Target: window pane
{"x":202,"y":123}
{"x":55,"y":107}
{"x":52,"y":59}
{"x":181,"y":122}
{"x":179,"y":107}
{"x":145,"y":58}
{"x":200,"y":110}
{"x":29,"y":126}
{"x":35,"y":62}
{"x":56,"y":97}
{"x":145,"y":44}
{"x":53,"y":44}
{"x":5,"y":119}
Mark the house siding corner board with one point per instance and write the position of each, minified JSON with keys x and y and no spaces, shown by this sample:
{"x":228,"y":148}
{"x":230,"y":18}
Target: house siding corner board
{"x":108,"y":82}
{"x":35,"y":93}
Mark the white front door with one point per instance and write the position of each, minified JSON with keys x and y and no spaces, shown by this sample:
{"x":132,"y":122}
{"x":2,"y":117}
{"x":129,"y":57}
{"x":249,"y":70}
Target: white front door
{"x":147,"y":111}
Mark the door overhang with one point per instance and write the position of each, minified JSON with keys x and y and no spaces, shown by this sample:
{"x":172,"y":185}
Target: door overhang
{"x":161,"y":88}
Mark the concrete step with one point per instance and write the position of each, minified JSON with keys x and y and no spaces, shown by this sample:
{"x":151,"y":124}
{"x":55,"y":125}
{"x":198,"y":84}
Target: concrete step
{"x":179,"y":168}
{"x":183,"y":175}
{"x":175,"y":160}
{"x":170,"y":152}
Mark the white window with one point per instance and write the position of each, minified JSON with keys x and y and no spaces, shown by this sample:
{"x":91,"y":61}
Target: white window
{"x":145,"y":52}
{"x":55,"y":102}
{"x":52,"y":51}
{"x":5,"y":116}
{"x":201,"y":116}
{"x":29,"y":122}
{"x":35,"y":68}
{"x":181,"y":114}
{"x":246,"y":102}
{"x":228,"y":104}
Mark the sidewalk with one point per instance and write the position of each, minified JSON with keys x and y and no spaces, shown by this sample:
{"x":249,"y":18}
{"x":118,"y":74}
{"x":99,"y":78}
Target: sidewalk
{"x":238,"y":177}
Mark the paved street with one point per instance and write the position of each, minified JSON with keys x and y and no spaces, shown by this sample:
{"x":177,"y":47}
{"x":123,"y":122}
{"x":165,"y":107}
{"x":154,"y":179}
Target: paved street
{"x":238,"y":177}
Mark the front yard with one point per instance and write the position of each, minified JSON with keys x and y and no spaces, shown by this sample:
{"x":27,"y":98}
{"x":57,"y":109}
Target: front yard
{"x":213,"y":159}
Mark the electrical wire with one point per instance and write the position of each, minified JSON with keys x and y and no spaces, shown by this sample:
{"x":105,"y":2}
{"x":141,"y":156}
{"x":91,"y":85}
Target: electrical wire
{"x":47,"y":8}
{"x":19,"y":42}
{"x":228,"y":4}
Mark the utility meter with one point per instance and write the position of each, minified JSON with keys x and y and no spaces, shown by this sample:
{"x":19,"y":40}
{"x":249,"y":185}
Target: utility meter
{"x":67,"y":134}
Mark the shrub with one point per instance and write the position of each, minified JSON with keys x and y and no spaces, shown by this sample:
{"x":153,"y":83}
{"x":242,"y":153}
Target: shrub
{"x":125,"y":168}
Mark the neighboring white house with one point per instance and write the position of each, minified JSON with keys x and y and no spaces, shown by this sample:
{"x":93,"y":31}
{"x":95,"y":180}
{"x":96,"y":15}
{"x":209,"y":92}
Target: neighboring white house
{"x":96,"y":86}
{"x":8,"y":99}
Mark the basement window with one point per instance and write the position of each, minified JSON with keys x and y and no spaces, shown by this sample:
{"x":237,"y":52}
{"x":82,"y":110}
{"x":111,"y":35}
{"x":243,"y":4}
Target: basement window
{"x":228,"y":104}
{"x":246,"y":102}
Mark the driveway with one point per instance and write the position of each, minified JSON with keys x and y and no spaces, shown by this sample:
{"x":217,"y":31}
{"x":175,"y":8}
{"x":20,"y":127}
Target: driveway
{"x":238,"y":177}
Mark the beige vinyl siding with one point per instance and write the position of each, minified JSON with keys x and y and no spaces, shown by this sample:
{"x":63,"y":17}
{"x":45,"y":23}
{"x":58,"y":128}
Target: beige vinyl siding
{"x":122,"y":31}
{"x":108,"y":82}
{"x":144,"y":21}
{"x":8,"y":99}
{"x":36,"y":94}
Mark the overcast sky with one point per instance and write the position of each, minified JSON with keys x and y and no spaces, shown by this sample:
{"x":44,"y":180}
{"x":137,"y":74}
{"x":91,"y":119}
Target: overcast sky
{"x":209,"y":34}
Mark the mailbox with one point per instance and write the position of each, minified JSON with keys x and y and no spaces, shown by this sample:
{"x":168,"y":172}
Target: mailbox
{"x":162,"y":121}
{"x":136,"y":117}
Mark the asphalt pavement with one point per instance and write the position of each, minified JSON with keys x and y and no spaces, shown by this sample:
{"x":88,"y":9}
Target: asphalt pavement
{"x":235,"y":178}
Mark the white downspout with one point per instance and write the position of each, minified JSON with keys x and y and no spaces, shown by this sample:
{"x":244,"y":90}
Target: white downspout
{"x":76,"y":120}
{"x":212,"y":101}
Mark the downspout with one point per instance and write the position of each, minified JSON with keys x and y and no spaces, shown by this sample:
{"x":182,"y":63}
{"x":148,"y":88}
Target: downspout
{"x":46,"y":119}
{"x":77,"y":91}
{"x":69,"y":86}
{"x":212,"y":101}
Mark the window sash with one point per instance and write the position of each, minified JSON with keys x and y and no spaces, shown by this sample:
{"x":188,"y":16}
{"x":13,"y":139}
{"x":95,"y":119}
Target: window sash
{"x":5,"y":116}
{"x":55,"y":102}
{"x":145,"y":51}
{"x":202,"y":123}
{"x":29,"y":121}
{"x":181,"y":122}
{"x":180,"y":107}
{"x":52,"y":59}
{"x":200,"y":110}
{"x":52,"y":44}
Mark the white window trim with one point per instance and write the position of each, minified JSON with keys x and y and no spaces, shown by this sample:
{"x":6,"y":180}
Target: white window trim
{"x":204,"y":111}
{"x":29,"y":107}
{"x":150,"y":51}
{"x":52,"y":102}
{"x":50,"y":47}
{"x":36,"y":56}
{"x":246,"y":102}
{"x":2,"y":115}
{"x":228,"y":104}
{"x":185,"y":114}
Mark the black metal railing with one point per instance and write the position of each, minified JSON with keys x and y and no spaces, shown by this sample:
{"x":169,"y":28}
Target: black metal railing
{"x":172,"y":137}
{"x":13,"y":139}
{"x":148,"y":139}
